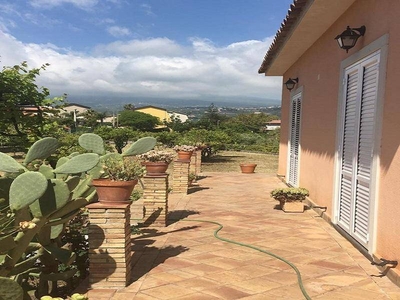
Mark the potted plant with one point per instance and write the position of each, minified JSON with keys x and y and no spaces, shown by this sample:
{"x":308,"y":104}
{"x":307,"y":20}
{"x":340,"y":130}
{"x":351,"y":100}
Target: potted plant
{"x":156,"y":161}
{"x":115,"y":172}
{"x":248,"y":168}
{"x":119,"y":177}
{"x":290,"y":199}
{"x":184,"y":152}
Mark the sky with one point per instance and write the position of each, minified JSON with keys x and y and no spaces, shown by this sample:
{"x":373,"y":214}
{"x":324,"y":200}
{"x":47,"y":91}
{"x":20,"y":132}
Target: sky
{"x":170,"y":49}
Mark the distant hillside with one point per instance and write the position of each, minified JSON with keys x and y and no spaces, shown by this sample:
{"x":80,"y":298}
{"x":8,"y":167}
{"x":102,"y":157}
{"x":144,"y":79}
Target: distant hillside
{"x":113,"y":103}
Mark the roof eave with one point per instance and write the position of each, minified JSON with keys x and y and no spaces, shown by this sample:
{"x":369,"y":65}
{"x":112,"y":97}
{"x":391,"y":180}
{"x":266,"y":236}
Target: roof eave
{"x":302,"y":27}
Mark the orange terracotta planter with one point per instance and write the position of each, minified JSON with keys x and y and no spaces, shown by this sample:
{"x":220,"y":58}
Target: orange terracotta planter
{"x":113,"y":192}
{"x":248,"y":168}
{"x":155,"y":168}
{"x":184,"y":155}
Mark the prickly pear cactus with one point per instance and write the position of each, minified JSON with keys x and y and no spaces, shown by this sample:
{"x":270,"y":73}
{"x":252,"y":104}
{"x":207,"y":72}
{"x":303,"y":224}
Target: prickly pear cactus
{"x":92,"y":142}
{"x":78,"y":164}
{"x":10,"y":290}
{"x":141,"y":146}
{"x":27,"y":188}
{"x":41,"y":149}
{"x":9,"y":164}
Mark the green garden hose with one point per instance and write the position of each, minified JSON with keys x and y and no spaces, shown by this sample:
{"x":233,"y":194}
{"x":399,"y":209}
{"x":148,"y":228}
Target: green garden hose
{"x":299,"y":280}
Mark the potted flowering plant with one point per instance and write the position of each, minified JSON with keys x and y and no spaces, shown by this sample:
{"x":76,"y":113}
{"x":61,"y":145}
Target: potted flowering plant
{"x":184,"y":151}
{"x":156,"y":161}
{"x":290,"y":199}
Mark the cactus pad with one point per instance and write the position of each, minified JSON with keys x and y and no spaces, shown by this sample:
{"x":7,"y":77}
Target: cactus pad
{"x":55,"y":197}
{"x":73,"y":182}
{"x":141,"y":146}
{"x":10,"y":289}
{"x":41,"y":149}
{"x":27,"y":188}
{"x":9,"y":164}
{"x":47,"y":171}
{"x":78,"y":164}
{"x":92,"y":142}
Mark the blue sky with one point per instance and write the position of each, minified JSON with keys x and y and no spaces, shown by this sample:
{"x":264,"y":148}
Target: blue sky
{"x":186,"y":49}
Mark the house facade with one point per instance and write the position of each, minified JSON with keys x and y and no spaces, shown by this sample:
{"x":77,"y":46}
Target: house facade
{"x":340,"y":123}
{"x":76,"y":108}
{"x":158,"y":112}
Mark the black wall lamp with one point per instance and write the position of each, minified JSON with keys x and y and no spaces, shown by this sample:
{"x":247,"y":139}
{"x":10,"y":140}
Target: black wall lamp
{"x":349,"y":37}
{"x":290,"y":83}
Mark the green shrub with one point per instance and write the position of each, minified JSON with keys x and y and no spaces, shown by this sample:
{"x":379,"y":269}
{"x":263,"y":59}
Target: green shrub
{"x":289,"y":194}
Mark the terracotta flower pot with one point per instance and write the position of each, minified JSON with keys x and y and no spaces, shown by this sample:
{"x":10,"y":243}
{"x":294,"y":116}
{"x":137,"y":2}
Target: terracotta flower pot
{"x":248,"y":168}
{"x":184,"y":155}
{"x":114,"y":192}
{"x":156,"y":168}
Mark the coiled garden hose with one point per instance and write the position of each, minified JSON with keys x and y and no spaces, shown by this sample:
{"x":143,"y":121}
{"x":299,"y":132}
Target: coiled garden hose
{"x":299,"y":280}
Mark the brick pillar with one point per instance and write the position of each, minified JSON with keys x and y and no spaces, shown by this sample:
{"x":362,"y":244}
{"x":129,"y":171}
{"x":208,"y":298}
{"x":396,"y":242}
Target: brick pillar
{"x":180,"y":176}
{"x":193,"y":163}
{"x":109,"y":245}
{"x":198,"y":162}
{"x":155,"y":200}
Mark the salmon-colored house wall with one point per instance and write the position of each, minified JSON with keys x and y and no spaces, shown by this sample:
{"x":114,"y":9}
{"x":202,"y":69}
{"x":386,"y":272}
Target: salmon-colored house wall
{"x":319,"y":73}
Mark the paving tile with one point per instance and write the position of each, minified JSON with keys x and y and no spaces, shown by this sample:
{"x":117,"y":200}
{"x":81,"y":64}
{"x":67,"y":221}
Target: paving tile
{"x":185,"y":261}
{"x":226,"y":292}
{"x":169,"y":291}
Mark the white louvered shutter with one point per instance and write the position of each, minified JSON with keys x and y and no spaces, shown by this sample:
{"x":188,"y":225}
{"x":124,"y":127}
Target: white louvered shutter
{"x":358,"y":148}
{"x":294,"y":141}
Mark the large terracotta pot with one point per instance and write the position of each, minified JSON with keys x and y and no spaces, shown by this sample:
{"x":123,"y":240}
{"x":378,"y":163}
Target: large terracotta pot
{"x":248,"y":168}
{"x":155,"y":168}
{"x":114,"y":192}
{"x":184,"y":155}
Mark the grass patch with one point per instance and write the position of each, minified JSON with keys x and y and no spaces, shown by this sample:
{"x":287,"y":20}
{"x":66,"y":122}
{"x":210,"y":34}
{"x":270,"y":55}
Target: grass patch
{"x":228,"y":161}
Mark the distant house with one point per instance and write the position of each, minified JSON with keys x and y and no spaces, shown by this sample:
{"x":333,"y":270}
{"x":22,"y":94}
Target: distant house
{"x":158,"y":112}
{"x":181,"y":117}
{"x":273,"y":125}
{"x":77,"y":108}
{"x":340,"y":118}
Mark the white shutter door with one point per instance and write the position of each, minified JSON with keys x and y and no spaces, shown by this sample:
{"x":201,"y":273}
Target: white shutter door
{"x":348,"y":149}
{"x":294,"y":140}
{"x":365,"y":151}
{"x":357,"y":147}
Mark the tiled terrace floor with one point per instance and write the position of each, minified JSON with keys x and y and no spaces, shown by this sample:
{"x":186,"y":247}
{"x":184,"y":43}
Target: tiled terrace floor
{"x":185,"y":260}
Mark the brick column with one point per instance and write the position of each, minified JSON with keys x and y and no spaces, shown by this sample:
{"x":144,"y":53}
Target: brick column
{"x":180,"y":176}
{"x":155,"y":200}
{"x":198,"y":162}
{"x":193,"y":163}
{"x":109,"y":245}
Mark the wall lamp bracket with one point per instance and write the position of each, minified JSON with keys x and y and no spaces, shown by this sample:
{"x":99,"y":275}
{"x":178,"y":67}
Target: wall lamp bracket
{"x":348,"y":38}
{"x":290,"y":83}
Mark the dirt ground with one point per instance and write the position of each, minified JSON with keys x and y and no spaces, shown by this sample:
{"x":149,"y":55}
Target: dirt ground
{"x":229,"y":161}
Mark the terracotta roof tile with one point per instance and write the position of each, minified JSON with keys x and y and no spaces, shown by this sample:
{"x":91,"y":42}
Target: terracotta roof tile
{"x":287,"y":25}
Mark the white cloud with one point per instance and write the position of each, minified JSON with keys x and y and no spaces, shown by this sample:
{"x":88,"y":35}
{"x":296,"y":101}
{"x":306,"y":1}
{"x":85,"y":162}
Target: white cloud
{"x":147,"y":9}
{"x":83,"y":4}
{"x":150,"y":68}
{"x":118,"y":31}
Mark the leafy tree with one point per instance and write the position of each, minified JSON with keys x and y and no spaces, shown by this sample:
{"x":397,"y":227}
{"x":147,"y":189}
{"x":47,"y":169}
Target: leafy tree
{"x":129,"y":106}
{"x":137,"y":120}
{"x":18,"y":91}
{"x":120,"y":136}
{"x":212,"y":118}
{"x":248,"y":122}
